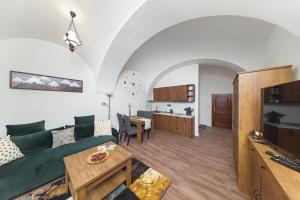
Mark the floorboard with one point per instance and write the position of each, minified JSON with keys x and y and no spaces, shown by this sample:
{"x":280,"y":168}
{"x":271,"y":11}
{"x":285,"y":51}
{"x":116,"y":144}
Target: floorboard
{"x":200,"y":168}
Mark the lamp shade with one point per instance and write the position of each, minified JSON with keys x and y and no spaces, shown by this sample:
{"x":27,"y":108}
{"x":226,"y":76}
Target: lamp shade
{"x":71,"y":38}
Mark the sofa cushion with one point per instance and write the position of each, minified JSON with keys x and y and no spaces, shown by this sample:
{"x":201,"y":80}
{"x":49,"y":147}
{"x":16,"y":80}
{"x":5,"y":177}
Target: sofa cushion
{"x":24,"y":129}
{"x":8,"y":151}
{"x":83,"y":131}
{"x":33,"y":142}
{"x":39,"y":168}
{"x":102,"y":127}
{"x":84,"y":120}
{"x":63,"y":137}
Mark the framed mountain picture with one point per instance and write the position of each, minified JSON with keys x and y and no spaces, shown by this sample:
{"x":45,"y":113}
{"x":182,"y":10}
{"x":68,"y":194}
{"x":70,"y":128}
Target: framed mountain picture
{"x":28,"y":81}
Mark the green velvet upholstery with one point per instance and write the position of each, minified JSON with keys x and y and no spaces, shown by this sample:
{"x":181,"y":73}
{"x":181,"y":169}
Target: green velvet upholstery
{"x":33,"y":142}
{"x":115,"y":133}
{"x":83,"y":131}
{"x":24,"y":129}
{"x":57,"y":129}
{"x":38,"y":168}
{"x":84,"y":120}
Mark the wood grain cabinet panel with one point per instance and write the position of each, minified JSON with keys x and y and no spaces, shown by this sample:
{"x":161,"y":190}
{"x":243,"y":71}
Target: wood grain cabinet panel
{"x":264,"y":185}
{"x":173,"y":124}
{"x":270,"y":180}
{"x":175,"y":93}
{"x":290,"y":95}
{"x":247,"y":113}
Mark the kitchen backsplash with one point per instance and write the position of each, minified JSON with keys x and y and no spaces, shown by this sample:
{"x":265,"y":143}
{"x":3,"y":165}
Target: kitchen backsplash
{"x":177,"y":107}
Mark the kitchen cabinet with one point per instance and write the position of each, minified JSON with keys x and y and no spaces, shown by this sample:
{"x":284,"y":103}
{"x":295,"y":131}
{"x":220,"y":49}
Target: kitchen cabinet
{"x":180,"y":93}
{"x":270,"y":180}
{"x":264,"y":185}
{"x":183,"y":126}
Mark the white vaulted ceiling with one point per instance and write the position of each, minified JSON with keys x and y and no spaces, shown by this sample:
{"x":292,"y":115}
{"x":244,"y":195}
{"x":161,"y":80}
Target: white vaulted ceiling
{"x":97,"y":21}
{"x":112,"y":30}
{"x":156,"y":15}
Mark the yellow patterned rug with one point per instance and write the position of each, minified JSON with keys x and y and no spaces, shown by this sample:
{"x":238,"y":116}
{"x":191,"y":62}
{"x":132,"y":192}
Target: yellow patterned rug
{"x":151,"y":185}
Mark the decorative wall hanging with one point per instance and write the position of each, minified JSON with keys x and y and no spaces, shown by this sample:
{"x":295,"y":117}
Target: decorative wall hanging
{"x":28,"y":81}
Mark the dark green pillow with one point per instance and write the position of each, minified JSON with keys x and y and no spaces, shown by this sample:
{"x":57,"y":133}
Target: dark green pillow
{"x":83,"y":131}
{"x":84,"y":120}
{"x":69,"y":126}
{"x":57,"y":129}
{"x":24,"y":129}
{"x":33,"y":142}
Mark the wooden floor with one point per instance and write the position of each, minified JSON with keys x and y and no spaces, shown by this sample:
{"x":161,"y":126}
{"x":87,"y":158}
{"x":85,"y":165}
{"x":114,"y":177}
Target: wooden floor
{"x":200,"y":168}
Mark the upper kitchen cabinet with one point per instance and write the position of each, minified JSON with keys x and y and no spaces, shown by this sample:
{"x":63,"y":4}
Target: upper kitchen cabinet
{"x":287,"y":93}
{"x":179,"y":93}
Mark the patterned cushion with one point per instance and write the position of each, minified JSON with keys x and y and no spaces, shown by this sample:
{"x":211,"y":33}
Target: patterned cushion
{"x":8,"y":151}
{"x":103,"y":127}
{"x":63,"y":137}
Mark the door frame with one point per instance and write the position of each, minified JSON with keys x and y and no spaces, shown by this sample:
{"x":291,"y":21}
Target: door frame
{"x":213,"y":109}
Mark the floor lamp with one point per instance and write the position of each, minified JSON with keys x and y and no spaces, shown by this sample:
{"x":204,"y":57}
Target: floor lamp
{"x":109,"y":95}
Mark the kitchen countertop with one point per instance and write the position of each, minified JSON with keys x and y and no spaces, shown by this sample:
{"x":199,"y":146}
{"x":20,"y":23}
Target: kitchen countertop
{"x":174,"y":114}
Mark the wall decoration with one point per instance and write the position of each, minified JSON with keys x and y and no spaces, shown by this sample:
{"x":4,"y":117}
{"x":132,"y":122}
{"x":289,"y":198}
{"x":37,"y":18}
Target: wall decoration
{"x":28,"y":81}
{"x":132,"y":83}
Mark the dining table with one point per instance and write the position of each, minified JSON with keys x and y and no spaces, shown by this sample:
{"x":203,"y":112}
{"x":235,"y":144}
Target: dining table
{"x":139,"y":123}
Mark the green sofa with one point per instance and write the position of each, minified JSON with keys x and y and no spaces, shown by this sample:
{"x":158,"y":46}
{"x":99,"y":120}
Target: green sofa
{"x":40,"y":167}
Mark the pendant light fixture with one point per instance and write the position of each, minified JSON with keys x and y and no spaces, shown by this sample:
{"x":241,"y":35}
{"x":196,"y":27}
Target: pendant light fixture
{"x":71,"y":38}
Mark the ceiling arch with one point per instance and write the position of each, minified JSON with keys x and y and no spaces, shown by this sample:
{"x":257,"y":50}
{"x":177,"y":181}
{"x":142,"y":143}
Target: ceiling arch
{"x":238,"y":40}
{"x":97,"y":23}
{"x":155,"y":16}
{"x":200,"y":61}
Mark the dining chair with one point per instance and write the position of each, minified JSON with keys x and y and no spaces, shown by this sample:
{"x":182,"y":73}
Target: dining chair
{"x":129,"y":129}
{"x":121,"y":126}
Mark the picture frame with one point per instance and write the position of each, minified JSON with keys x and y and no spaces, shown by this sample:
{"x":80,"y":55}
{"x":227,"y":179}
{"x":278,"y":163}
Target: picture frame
{"x":31,"y":81}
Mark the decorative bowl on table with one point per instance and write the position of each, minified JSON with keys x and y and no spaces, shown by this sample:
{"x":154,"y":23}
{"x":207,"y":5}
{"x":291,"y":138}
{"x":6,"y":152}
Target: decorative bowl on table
{"x":97,"y":157}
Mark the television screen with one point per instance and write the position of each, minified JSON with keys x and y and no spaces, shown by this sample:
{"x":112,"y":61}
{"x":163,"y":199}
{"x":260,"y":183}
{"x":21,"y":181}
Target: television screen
{"x":281,"y":117}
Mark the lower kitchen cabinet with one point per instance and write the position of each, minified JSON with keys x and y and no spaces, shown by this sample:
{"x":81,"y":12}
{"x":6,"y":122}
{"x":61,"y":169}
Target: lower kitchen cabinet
{"x":173,"y":124}
{"x":264,"y":185}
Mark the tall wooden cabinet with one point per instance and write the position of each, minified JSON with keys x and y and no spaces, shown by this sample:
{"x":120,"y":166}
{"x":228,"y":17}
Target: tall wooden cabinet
{"x":247,"y":113}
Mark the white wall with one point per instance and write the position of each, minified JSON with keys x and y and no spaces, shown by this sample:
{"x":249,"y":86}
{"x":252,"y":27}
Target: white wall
{"x":57,"y":108}
{"x":284,"y":48}
{"x":181,"y":76}
{"x":122,"y":97}
{"x":212,"y":80}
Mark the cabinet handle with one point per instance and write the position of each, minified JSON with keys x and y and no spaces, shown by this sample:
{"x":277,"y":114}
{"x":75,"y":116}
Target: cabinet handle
{"x":262,"y":167}
{"x":252,"y":149}
{"x":256,"y":194}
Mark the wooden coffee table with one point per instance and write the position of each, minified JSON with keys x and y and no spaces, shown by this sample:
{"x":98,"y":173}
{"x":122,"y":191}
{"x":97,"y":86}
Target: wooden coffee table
{"x":95,"y":181}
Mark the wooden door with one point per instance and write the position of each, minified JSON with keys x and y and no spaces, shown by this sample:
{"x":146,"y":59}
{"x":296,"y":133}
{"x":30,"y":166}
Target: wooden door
{"x":173,"y":93}
{"x":183,"y":93}
{"x":235,"y":123}
{"x":266,"y":187}
{"x":156,"y":121}
{"x":156,"y":94}
{"x":255,"y":167}
{"x":222,"y":110}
